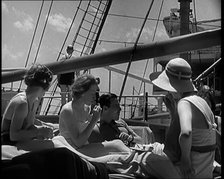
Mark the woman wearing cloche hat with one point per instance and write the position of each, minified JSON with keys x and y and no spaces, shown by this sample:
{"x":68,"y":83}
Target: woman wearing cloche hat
{"x":191,"y":140}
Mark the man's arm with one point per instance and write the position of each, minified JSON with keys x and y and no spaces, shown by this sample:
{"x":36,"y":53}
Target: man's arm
{"x":137,"y":138}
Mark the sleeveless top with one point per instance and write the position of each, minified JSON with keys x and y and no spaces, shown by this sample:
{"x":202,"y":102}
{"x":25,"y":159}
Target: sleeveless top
{"x":203,"y":137}
{"x":9,"y":112}
{"x":203,"y":140}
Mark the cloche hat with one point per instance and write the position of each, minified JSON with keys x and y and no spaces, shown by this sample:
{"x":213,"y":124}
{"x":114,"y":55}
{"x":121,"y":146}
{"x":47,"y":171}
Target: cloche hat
{"x":175,"y":78}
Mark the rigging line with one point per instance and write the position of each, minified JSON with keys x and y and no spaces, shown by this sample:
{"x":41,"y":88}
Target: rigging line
{"x":107,"y":6}
{"x":133,"y":51}
{"x":31,"y":44}
{"x":121,"y":42}
{"x":146,"y":65}
{"x":34,"y":32}
{"x":91,"y":27}
{"x":206,"y":72}
{"x":73,"y":20}
{"x":43,"y":31}
{"x":137,"y":17}
{"x":80,"y":25}
{"x":195,"y":23}
{"x":66,"y":37}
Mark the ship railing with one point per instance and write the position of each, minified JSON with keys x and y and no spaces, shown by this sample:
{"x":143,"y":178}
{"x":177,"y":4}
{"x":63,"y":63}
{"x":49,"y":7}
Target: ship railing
{"x":132,"y":106}
{"x":140,"y":106}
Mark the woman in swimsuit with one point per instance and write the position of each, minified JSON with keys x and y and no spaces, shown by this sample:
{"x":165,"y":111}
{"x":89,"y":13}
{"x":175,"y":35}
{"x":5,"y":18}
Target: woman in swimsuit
{"x":77,"y":119}
{"x":19,"y":125}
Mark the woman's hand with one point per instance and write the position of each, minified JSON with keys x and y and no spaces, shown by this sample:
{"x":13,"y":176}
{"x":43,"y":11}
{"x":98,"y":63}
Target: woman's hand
{"x":169,"y":102}
{"x":96,"y":113}
{"x":45,"y":133}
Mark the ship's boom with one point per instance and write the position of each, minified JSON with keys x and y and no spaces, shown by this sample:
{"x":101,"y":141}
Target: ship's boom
{"x":174,"y":45}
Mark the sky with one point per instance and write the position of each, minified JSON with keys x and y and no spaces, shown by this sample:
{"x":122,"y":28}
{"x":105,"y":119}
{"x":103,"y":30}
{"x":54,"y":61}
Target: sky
{"x":19,"y":19}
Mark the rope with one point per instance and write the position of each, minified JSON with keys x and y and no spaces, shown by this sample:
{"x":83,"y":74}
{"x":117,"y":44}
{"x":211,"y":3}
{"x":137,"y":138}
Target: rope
{"x":157,"y":22}
{"x":32,"y":40}
{"x":91,"y":27}
{"x":137,"y":17}
{"x":133,"y":52}
{"x":43,"y":31}
{"x":47,"y":106}
{"x":118,"y":42}
{"x":199,"y":54}
{"x":107,"y":6}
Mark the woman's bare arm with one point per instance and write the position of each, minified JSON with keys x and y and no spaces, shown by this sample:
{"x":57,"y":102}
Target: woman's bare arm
{"x":185,"y":138}
{"x":16,"y":131}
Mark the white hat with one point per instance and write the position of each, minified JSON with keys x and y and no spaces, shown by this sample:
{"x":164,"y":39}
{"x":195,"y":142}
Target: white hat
{"x":175,"y":78}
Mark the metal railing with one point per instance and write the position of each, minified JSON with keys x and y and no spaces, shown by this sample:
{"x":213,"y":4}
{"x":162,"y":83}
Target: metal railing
{"x":146,"y":105}
{"x":132,"y":106}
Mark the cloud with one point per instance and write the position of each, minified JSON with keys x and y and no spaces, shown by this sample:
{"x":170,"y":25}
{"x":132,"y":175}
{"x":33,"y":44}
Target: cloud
{"x":4,"y":7}
{"x":20,"y":14}
{"x":161,"y":34}
{"x":145,"y":35}
{"x":25,"y":25}
{"x":102,"y":49}
{"x":7,"y":54}
{"x":60,"y":22}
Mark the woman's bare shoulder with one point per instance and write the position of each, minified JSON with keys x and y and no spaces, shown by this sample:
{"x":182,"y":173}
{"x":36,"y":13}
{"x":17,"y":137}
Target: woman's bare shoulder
{"x":19,"y":99}
{"x":19,"y":102}
{"x":66,"y":111}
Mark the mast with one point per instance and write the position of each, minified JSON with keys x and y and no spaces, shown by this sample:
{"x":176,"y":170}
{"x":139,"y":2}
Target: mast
{"x":184,"y":22}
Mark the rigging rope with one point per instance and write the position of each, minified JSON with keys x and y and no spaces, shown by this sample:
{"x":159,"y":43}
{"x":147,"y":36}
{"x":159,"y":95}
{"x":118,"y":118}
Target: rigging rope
{"x":69,"y":30}
{"x":66,"y":37}
{"x":133,"y":51}
{"x":107,"y":6}
{"x":31,"y":44}
{"x":137,"y":17}
{"x":43,"y":31}
{"x":157,"y":22}
{"x":195,"y":22}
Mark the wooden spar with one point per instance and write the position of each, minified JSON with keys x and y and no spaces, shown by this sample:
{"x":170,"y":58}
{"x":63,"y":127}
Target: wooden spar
{"x":174,"y":45}
{"x":129,"y":74}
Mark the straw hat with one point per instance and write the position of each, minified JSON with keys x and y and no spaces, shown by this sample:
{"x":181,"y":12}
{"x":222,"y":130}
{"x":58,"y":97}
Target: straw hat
{"x":175,"y":78}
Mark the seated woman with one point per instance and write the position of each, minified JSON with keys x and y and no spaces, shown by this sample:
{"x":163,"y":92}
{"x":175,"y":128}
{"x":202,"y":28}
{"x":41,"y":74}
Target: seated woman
{"x":19,"y":126}
{"x":77,"y":119}
{"x":76,"y":124}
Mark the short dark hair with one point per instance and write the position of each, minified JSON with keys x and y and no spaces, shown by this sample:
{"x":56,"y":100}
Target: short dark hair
{"x":38,"y":75}
{"x":83,"y":84}
{"x":105,"y":99}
